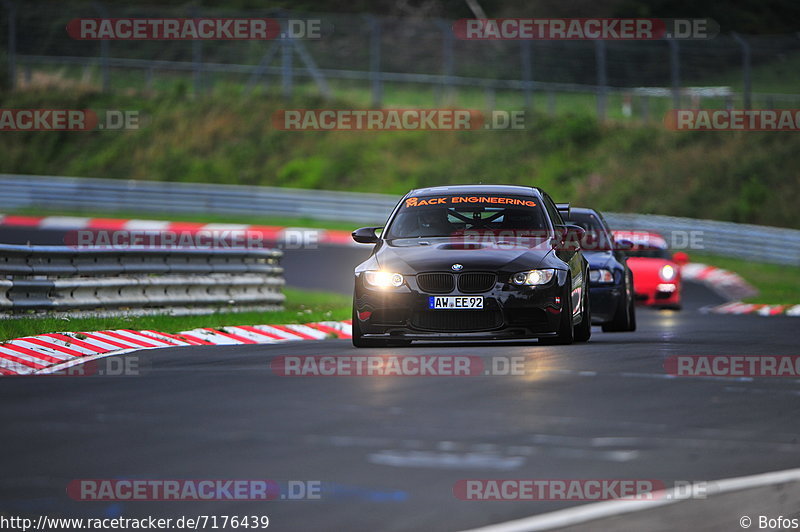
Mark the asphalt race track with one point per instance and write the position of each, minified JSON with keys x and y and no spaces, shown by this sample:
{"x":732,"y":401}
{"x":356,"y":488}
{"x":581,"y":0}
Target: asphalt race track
{"x":389,"y":450}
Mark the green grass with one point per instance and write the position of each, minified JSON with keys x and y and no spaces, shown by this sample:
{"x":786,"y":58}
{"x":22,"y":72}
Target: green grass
{"x":228,"y":138}
{"x":301,"y":307}
{"x":776,"y":284}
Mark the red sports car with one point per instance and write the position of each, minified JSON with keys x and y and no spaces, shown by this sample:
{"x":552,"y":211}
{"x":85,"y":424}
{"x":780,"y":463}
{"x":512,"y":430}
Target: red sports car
{"x":656,"y":273}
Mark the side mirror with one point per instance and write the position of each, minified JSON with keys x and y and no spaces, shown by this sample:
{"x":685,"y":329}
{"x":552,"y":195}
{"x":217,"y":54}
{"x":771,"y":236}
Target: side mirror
{"x":623,"y":244}
{"x":680,"y":258}
{"x":571,"y":236}
{"x":366,"y":235}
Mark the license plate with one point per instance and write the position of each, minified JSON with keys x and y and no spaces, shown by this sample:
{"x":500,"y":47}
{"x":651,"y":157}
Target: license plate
{"x":455,"y":302}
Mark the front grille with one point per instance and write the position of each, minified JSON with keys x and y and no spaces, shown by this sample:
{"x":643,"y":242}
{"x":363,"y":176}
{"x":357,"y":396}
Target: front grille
{"x":436,"y":283}
{"x":455,"y":321}
{"x":476,"y":282}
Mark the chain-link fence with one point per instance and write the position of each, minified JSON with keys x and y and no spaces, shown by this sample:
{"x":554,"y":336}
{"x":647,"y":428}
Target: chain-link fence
{"x":378,"y":61}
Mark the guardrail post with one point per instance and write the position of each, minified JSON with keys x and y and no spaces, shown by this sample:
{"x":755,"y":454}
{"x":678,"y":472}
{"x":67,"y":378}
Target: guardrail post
{"x":197,"y":59}
{"x":675,"y":72}
{"x":262,"y":67}
{"x":448,"y":60}
{"x":311,"y":67}
{"x":12,"y":44}
{"x":746,"y":63}
{"x":645,"y":99}
{"x":602,"y":78}
{"x":286,"y":61}
{"x":375,"y":60}
{"x":104,"y":49}
{"x":491,"y":98}
{"x":527,"y":71}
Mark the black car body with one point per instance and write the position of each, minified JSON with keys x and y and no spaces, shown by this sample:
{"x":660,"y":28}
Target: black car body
{"x":471,"y":262}
{"x":610,"y":279}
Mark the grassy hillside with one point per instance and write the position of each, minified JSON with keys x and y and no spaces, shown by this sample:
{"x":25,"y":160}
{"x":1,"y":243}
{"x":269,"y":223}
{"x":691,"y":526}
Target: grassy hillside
{"x":228,"y":138}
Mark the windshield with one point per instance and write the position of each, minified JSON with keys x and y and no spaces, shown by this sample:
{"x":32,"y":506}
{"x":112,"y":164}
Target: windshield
{"x":596,"y":237}
{"x":648,"y":252}
{"x":464,"y":216}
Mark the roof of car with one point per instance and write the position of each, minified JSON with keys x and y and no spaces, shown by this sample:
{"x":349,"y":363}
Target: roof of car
{"x":643,"y":238}
{"x":476,"y":189}
{"x":581,"y":210}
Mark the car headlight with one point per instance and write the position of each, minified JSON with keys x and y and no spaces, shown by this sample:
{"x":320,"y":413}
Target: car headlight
{"x":533,"y":277}
{"x":381,"y":279}
{"x":601,"y":276}
{"x":667,"y":272}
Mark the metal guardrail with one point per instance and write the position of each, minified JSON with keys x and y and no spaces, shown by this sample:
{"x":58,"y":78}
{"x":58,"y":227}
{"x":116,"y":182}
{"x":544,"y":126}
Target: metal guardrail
{"x":157,"y":197}
{"x":65,"y":278}
{"x":760,"y":243}
{"x":755,"y":242}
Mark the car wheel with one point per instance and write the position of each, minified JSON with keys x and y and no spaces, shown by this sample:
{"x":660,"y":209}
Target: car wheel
{"x":583,"y":331}
{"x":632,"y":311}
{"x":624,"y":319}
{"x":566,"y":331}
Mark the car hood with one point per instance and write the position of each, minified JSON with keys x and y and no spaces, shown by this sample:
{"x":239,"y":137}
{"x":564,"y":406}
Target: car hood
{"x":598,"y":259}
{"x":408,"y":256}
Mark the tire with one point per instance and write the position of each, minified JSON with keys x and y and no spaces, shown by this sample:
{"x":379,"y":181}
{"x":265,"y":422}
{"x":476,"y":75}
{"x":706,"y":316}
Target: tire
{"x":360,"y":341}
{"x":624,"y":319}
{"x":566,"y":331}
{"x":632,"y":326}
{"x":583,"y":331}
{"x":621,"y":321}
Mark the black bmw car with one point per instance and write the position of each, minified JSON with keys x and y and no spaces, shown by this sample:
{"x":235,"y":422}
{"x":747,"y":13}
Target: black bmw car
{"x":472,"y":262}
{"x":610,"y":279}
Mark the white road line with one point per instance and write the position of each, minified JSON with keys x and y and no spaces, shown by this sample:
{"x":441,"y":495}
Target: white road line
{"x":440,"y":460}
{"x":584,"y":514}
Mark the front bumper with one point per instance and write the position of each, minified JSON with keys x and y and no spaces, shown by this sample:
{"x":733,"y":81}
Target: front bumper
{"x":658,"y":296}
{"x":509,"y":312}
{"x":604,"y":300}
